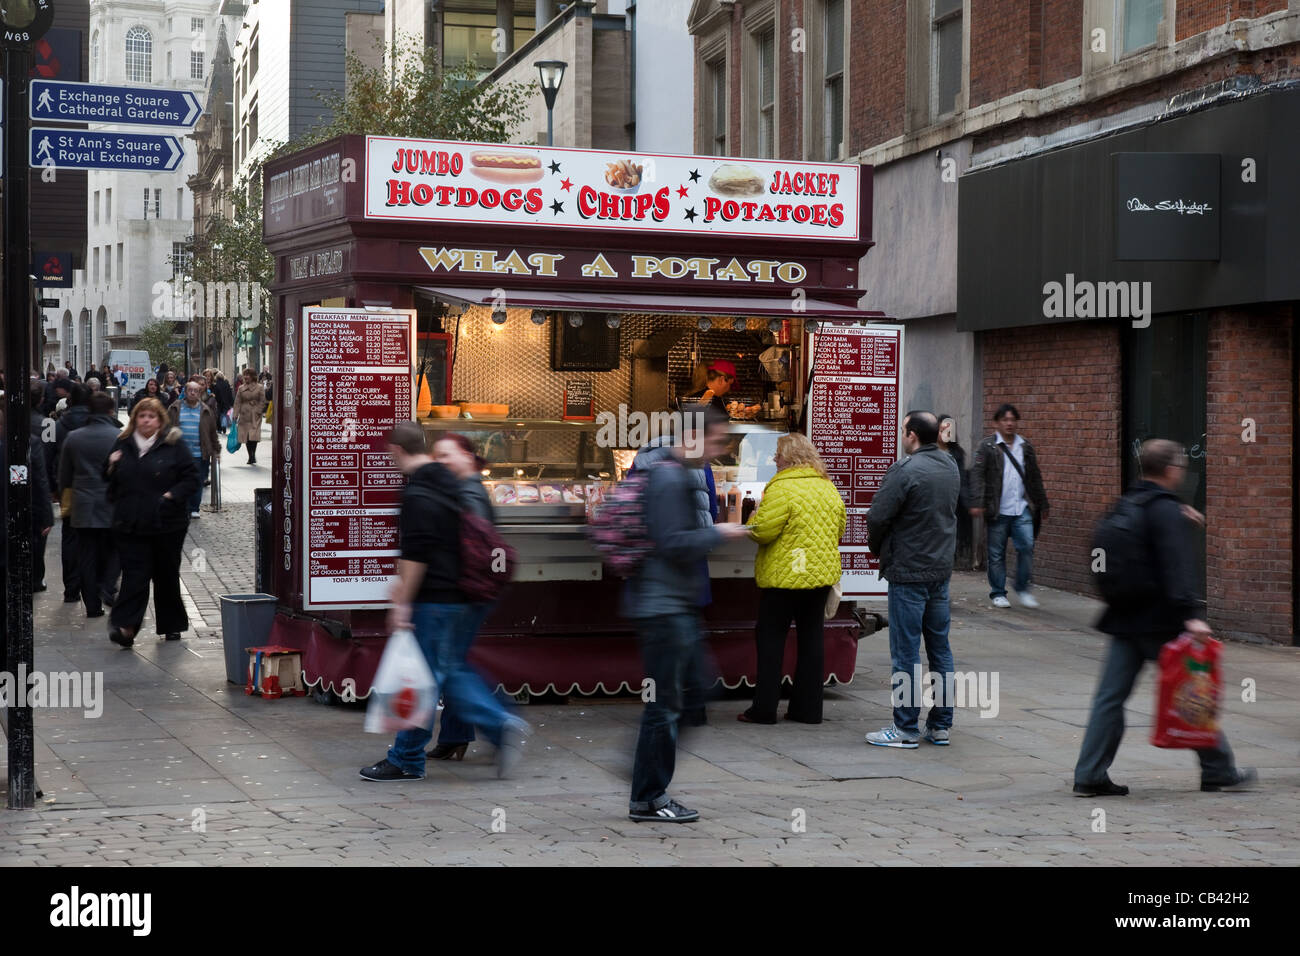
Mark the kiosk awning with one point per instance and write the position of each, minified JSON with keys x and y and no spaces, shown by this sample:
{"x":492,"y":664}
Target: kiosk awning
{"x":650,"y":303}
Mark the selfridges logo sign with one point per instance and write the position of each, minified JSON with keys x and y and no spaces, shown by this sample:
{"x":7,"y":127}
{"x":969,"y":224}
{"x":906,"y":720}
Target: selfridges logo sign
{"x":1180,"y":206}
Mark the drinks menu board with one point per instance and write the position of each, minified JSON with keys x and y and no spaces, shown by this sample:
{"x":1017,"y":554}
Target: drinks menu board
{"x":357,"y":385}
{"x":853,"y":421}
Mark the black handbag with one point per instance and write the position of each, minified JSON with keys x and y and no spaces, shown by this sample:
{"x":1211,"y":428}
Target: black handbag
{"x":1037,"y":515}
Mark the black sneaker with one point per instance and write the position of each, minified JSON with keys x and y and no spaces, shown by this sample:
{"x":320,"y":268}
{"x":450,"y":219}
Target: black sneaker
{"x":670,"y":812}
{"x":386,"y":772}
{"x":1105,"y":788}
{"x":117,"y":637}
{"x":1244,"y":778}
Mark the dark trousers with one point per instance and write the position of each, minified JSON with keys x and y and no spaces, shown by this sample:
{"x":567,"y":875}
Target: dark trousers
{"x":71,"y":561}
{"x":38,"y":557}
{"x":668,"y":652}
{"x":777,"y":607}
{"x":146,"y":558}
{"x":1124,"y":660}
{"x":196,"y":499}
{"x":98,"y":566}
{"x":252,"y":451}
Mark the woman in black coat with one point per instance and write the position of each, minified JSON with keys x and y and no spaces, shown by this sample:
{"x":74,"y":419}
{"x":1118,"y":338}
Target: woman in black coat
{"x":151,"y":477}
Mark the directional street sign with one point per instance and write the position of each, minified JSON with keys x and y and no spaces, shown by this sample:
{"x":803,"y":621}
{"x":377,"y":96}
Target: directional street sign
{"x":64,"y":101}
{"x":82,"y":149}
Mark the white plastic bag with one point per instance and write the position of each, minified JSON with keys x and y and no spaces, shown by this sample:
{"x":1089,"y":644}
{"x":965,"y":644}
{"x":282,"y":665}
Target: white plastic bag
{"x":403,"y":694}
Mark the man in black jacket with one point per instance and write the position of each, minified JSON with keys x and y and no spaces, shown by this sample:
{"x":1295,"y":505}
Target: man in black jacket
{"x":912,"y":526}
{"x":1140,"y":629}
{"x":427,"y":600}
{"x":1007,"y":488}
{"x":73,"y":417}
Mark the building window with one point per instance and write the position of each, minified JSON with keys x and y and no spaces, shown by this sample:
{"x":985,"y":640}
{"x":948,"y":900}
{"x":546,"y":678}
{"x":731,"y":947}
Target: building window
{"x":196,"y":24}
{"x":145,"y":214}
{"x":767,"y":95}
{"x":252,"y":121}
{"x":108,"y":264}
{"x":833,"y":82}
{"x":108,"y":205}
{"x":103,"y":324}
{"x":94,"y":56}
{"x":1140,"y":19}
{"x":196,"y":64}
{"x":139,"y":55}
{"x":180,"y":202}
{"x":95,"y":204}
{"x":182,"y":259}
{"x":157,"y":203}
{"x":468,"y":37}
{"x":945,"y":56}
{"x":252,"y":57}
{"x":95,"y":258}
{"x":119,"y":262}
{"x":718,"y":108}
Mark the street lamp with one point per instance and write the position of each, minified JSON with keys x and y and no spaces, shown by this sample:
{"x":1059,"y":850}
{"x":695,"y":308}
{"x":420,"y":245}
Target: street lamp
{"x":552,"y":74}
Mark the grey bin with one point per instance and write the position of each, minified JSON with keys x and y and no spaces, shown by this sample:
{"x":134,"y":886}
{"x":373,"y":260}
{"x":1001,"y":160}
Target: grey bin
{"x":245,"y":622}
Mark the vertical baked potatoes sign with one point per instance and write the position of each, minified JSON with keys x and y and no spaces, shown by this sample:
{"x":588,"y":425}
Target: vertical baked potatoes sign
{"x":432,"y":181}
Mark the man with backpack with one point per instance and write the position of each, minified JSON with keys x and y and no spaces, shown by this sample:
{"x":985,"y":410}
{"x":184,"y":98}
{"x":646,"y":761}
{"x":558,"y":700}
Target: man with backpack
{"x":663,"y":595}
{"x":1007,"y":490}
{"x":1152,"y":595}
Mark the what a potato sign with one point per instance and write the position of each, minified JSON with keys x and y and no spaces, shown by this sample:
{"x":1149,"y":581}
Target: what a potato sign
{"x":427,"y":180}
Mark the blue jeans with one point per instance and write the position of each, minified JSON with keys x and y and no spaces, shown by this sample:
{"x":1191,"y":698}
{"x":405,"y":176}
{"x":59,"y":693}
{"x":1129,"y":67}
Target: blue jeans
{"x":668,"y":650}
{"x":438,"y":632}
{"x":196,"y":499}
{"x":1021,"y":529}
{"x":916,"y":611}
{"x":452,"y":729}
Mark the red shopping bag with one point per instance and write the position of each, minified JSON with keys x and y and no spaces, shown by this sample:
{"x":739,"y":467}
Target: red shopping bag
{"x":1188,"y":695}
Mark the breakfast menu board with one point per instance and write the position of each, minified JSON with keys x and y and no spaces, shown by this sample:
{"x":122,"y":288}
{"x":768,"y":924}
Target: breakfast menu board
{"x":853,"y":420}
{"x":357,"y":385}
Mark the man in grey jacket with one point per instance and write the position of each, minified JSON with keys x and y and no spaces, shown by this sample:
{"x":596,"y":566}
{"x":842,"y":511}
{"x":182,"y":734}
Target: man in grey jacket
{"x":81,"y":470}
{"x":663,"y":600}
{"x":912,"y":527}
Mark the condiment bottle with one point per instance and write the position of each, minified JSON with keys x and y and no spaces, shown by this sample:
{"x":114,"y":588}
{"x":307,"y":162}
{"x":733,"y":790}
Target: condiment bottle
{"x":722,"y":506}
{"x":747,"y":509}
{"x":733,"y":503}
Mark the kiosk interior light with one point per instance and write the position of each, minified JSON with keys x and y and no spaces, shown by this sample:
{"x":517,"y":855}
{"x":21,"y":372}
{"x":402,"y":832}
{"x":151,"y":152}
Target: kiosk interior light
{"x":499,"y":316}
{"x":739,"y":323}
{"x":538,"y":317}
{"x":774,"y":325}
{"x":575,"y":319}
{"x":613,"y":320}
{"x":705,"y":323}
{"x":810,"y":325}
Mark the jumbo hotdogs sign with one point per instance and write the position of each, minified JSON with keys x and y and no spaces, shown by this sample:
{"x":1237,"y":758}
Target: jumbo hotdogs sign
{"x":431,"y":181}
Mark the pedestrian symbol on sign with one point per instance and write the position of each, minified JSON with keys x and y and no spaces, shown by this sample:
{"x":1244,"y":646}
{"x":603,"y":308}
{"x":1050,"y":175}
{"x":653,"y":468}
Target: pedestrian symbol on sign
{"x":44,"y":147}
{"x":44,"y":100}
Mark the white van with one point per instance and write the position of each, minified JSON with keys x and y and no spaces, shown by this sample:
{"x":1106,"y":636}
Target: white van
{"x":138,"y":368}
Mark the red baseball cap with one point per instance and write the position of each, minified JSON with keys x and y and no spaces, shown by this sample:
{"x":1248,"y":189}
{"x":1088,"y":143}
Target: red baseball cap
{"x":723,"y":366}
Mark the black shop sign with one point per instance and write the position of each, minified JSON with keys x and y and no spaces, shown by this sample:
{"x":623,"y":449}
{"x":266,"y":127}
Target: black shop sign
{"x":1166,"y":206}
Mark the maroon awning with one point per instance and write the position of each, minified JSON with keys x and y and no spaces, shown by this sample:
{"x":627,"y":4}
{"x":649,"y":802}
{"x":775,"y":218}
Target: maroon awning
{"x":647,"y":303}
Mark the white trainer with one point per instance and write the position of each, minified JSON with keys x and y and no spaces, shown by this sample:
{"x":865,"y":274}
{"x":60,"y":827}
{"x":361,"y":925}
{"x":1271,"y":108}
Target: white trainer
{"x":1001,"y":601}
{"x":1027,"y":599}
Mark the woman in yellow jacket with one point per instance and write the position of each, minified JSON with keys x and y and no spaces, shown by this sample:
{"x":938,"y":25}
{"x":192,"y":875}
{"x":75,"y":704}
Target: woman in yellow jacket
{"x":798,"y":526}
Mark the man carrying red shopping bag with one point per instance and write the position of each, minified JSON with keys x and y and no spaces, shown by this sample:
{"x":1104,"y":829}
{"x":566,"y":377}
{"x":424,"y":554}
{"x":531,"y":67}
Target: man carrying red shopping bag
{"x":1152,"y":594}
{"x":428,"y":601}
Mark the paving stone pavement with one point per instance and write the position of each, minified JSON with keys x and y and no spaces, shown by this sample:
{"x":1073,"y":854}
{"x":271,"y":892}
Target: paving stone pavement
{"x":183,"y":769}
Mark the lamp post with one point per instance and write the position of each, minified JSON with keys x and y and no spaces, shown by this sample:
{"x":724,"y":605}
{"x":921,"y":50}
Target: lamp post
{"x":552,"y":74}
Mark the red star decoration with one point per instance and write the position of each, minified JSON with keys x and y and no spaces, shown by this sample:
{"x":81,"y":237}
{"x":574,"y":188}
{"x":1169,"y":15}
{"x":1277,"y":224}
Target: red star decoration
{"x":565,"y":185}
{"x":682,"y":191}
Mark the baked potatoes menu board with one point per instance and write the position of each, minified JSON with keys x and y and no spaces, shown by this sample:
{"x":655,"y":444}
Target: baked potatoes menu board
{"x":357,"y":385}
{"x":853,"y":421}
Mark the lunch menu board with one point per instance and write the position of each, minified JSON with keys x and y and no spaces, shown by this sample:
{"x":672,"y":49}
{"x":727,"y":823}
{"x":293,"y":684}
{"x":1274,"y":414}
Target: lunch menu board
{"x":853,"y":421}
{"x":357,"y":385}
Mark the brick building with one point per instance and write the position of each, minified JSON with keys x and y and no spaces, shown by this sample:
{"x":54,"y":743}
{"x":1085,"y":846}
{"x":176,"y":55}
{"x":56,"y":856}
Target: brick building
{"x":1136,"y":158}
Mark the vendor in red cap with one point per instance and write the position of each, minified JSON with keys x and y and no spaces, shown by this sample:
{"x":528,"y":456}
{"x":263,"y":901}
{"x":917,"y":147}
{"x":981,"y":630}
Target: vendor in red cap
{"x":721,"y":375}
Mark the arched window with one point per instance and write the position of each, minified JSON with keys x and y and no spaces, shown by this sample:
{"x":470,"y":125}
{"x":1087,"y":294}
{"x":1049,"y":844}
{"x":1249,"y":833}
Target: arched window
{"x":94,"y":56}
{"x":87,"y":348}
{"x":139,"y":55}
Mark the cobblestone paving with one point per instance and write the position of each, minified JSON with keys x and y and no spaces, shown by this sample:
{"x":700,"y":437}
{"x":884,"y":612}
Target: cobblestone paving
{"x":184,"y":770}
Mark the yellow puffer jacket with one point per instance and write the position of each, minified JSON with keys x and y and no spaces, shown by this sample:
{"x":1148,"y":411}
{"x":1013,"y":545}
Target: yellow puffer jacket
{"x":798,"y":526}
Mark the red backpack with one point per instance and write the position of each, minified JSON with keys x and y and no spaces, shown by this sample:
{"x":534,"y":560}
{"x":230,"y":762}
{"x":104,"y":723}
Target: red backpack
{"x":487,"y":563}
{"x":618,"y":531}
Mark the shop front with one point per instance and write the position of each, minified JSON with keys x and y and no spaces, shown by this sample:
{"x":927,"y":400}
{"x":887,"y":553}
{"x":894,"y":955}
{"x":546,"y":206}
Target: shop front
{"x":1143,"y":285}
{"x":556,"y":307}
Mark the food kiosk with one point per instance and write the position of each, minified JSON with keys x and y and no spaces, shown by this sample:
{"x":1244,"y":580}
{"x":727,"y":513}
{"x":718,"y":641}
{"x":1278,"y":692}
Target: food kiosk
{"x":553,"y":305}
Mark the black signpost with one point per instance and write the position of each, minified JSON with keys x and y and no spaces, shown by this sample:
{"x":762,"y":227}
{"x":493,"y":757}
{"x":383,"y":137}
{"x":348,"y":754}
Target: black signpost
{"x":22,"y":23}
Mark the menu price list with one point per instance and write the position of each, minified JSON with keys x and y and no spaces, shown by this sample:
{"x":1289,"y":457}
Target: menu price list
{"x":855,"y":351}
{"x":358,"y":387}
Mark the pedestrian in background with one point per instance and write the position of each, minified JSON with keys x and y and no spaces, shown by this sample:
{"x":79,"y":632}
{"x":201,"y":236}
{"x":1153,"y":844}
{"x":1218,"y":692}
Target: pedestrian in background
{"x":150,"y":390}
{"x":151,"y":476}
{"x":458,"y":455}
{"x":663,"y":601}
{"x":74,"y":416}
{"x":225,"y":397}
{"x":798,"y":526}
{"x":42,"y":499}
{"x":948,"y":442}
{"x":427,"y":599}
{"x":81,"y":479}
{"x":1140,"y":627}
{"x":199,"y":428}
{"x":1007,"y":489}
{"x":169,"y":388}
{"x":912,"y":528}
{"x":250,"y":401}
